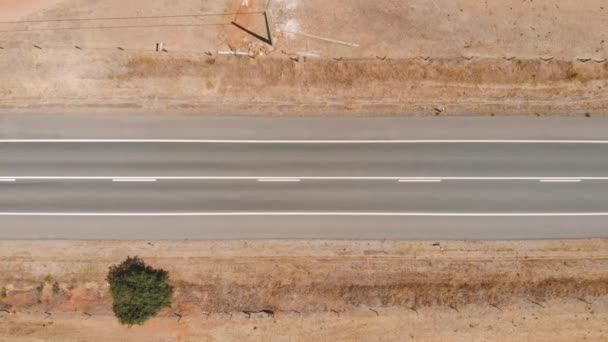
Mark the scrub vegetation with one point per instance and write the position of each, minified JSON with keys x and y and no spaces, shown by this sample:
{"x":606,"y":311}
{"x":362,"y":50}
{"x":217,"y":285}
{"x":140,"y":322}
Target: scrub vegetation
{"x":139,"y":291}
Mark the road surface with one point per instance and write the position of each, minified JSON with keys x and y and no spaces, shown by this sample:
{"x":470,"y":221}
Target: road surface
{"x":70,"y":183}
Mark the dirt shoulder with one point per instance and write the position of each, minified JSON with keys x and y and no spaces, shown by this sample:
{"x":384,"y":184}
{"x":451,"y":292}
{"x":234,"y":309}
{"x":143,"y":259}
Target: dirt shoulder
{"x":553,"y":290}
{"x":66,"y":81}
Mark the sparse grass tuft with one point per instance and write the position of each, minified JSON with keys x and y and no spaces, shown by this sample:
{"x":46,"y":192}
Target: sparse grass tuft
{"x":56,"y":288}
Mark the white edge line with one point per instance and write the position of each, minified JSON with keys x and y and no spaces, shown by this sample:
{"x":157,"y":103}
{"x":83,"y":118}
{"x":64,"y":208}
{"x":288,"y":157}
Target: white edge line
{"x":8,"y":180}
{"x":298,"y":178}
{"x":394,"y":214}
{"x":133,"y":179}
{"x":250,"y":141}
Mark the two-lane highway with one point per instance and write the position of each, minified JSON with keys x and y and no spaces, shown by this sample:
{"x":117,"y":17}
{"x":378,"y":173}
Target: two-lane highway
{"x":391,"y":178}
{"x":312,"y":188}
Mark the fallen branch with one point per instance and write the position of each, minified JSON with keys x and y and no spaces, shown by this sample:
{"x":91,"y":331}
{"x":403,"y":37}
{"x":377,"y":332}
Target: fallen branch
{"x":584,"y":301}
{"x":495,"y":306}
{"x":335,"y":41}
{"x":537,"y":303}
{"x":235,"y":53}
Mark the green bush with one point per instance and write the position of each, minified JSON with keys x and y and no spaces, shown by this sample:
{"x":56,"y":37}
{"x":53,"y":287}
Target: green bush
{"x":139,"y":291}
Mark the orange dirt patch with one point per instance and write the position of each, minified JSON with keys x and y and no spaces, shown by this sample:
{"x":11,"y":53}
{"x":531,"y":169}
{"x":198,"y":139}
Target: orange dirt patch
{"x":248,"y":15}
{"x":11,"y":10}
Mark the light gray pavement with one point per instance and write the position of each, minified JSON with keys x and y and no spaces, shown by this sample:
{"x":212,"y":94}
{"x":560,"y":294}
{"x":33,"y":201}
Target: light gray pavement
{"x":105,"y":126}
{"x":233,"y":227}
{"x":171,"y":159}
{"x":357,"y":197}
{"x":335,"y":197}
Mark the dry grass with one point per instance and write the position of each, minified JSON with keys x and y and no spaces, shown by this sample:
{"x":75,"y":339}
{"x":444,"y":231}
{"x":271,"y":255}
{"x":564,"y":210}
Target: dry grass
{"x":374,"y":276}
{"x":329,"y":73}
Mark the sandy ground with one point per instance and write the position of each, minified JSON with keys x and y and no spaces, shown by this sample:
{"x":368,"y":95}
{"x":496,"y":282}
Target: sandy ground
{"x":439,"y":57}
{"x":567,"y":320}
{"x":448,"y":28}
{"x":442,"y":29}
{"x":14,"y":9}
{"x":383,"y":290}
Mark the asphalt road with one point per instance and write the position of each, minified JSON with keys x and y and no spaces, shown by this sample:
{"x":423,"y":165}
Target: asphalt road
{"x":245,"y":186}
{"x":288,"y":159}
{"x":306,"y":197}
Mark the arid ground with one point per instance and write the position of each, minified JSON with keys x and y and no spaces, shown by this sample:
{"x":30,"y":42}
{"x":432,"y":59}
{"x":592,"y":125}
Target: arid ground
{"x":325,"y":290}
{"x":385,"y":57}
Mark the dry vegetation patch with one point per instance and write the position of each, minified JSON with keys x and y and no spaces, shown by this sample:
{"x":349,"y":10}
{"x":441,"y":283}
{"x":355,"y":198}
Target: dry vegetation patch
{"x":255,"y":290}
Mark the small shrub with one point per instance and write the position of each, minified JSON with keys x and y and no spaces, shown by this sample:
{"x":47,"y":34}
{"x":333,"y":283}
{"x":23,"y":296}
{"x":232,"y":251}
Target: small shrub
{"x":139,"y":291}
{"x":56,"y":288}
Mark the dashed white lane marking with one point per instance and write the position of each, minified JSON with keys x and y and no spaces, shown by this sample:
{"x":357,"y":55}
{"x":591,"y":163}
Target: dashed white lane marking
{"x":250,"y":141}
{"x":133,"y":179}
{"x":293,"y":180}
{"x":420,"y":181}
{"x":457,"y":178}
{"x":560,"y":180}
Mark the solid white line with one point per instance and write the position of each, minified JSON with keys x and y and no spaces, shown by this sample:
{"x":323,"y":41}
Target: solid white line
{"x":133,"y":180}
{"x":419,"y":180}
{"x":249,"y":141}
{"x":463,"y":178}
{"x":278,"y":180}
{"x":8,"y":180}
{"x":395,"y":214}
{"x":560,"y":180}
